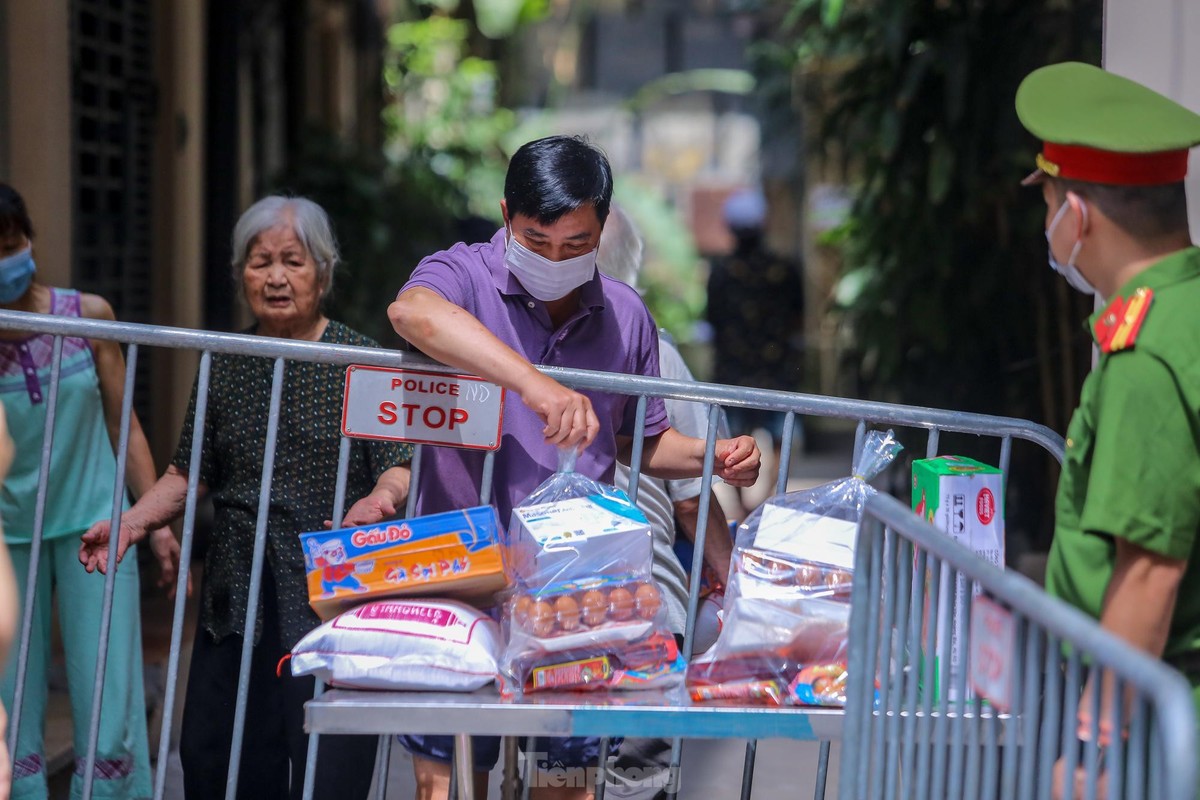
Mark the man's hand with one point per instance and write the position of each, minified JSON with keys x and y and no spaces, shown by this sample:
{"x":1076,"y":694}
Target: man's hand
{"x":737,"y":461}
{"x":166,"y":551}
{"x":570,"y":420}
{"x":94,"y":550}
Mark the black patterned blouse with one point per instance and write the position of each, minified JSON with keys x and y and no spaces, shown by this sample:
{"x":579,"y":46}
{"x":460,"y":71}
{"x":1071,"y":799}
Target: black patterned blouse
{"x":302,"y":485}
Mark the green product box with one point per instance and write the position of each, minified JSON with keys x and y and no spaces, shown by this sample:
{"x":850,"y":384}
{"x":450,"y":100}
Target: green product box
{"x":964,"y":498}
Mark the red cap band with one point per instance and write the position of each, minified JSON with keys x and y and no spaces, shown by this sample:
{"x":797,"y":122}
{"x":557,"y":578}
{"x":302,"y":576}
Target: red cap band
{"x":1078,"y":163}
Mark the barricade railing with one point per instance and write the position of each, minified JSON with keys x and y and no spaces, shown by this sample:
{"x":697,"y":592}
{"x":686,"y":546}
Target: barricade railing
{"x":339,"y":711}
{"x":969,"y":681}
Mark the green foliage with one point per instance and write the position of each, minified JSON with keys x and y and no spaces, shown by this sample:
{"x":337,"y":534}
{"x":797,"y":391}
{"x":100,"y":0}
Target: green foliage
{"x":946,"y":291}
{"x":387,"y":217}
{"x":443,"y":108}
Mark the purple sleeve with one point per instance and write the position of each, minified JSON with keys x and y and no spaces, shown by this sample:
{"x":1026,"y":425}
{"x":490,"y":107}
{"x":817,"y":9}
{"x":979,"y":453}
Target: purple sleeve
{"x":646,"y":364}
{"x":445,"y":275}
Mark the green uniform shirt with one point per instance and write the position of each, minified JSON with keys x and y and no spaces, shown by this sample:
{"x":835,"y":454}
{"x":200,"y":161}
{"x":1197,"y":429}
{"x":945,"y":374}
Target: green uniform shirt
{"x":1132,"y":464}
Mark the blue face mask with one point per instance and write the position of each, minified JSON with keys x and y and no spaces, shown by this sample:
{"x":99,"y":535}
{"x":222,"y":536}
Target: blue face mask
{"x":16,"y":273}
{"x":1069,"y":270}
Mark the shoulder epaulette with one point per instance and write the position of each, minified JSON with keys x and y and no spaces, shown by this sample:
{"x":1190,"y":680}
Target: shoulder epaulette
{"x":1118,"y":326}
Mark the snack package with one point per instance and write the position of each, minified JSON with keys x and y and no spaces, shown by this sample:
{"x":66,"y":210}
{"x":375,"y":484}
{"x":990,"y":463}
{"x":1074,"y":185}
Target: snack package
{"x":454,"y":554}
{"x":572,"y":528}
{"x":422,"y":644}
{"x":965,"y":498}
{"x":603,"y":632}
{"x":786,"y":614}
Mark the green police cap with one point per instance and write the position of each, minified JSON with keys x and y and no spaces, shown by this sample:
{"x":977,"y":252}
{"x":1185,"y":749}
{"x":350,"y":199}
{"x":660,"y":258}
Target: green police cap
{"x":1102,"y":128}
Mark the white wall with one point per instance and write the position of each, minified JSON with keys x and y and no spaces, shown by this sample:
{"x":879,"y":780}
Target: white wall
{"x":1157,"y":43}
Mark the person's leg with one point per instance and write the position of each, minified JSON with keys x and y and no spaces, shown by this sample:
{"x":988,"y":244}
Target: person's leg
{"x":29,"y":762}
{"x":122,"y":766}
{"x":208,"y":716}
{"x":433,"y":780}
{"x":566,"y":767}
{"x":431,"y":763}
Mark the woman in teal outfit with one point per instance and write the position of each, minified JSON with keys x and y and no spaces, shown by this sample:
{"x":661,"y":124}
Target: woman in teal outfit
{"x":82,"y":477}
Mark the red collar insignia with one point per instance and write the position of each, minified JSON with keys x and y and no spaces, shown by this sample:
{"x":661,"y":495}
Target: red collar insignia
{"x":1118,"y":325}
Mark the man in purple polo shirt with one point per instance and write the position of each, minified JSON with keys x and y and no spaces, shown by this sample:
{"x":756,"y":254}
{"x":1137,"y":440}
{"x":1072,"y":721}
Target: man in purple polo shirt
{"x":532,"y":295}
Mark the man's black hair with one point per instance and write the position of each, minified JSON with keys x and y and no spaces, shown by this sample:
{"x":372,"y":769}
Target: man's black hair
{"x":1144,"y":212}
{"x":14,"y":217}
{"x":550,"y":177}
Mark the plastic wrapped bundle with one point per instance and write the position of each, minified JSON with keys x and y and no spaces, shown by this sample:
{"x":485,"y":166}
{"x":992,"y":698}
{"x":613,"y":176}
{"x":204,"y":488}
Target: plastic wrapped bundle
{"x":573,"y":528}
{"x":584,"y":612}
{"x":787,"y":612}
{"x":420,"y":643}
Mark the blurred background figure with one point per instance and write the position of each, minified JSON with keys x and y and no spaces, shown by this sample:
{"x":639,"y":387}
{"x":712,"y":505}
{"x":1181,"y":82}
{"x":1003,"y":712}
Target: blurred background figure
{"x":756,"y":310}
{"x":82,"y":474}
{"x":640,"y":769}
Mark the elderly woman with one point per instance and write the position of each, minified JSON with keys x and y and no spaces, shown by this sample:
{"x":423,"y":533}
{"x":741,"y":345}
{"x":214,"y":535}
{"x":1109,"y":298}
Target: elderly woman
{"x":284,"y":255}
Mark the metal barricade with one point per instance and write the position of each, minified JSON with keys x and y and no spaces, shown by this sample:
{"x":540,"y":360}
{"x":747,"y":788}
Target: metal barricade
{"x":389,"y":713}
{"x":1036,"y":668}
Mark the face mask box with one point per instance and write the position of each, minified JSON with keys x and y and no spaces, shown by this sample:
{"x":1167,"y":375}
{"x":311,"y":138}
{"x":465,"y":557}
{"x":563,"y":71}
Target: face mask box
{"x":568,"y":540}
{"x":454,"y":554}
{"x":964,"y":498}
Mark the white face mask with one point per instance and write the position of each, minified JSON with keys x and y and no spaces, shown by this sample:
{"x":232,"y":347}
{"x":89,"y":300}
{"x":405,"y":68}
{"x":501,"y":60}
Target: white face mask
{"x":545,"y":279}
{"x":1069,"y":270}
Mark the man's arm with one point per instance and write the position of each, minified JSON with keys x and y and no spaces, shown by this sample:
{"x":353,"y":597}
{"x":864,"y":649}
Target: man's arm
{"x":1138,"y":606}
{"x":1140,"y":599}
{"x":671,"y":455}
{"x":451,"y":335}
{"x":718,"y":545}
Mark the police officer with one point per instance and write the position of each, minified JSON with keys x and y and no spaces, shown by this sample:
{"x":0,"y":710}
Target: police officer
{"x":1127,"y":517}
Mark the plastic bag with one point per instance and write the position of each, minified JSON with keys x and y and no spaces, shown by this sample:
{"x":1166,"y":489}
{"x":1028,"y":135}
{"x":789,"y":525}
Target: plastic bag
{"x":604,"y":632}
{"x":574,"y":528}
{"x":584,"y":611}
{"x":439,"y":645}
{"x":786,"y":616}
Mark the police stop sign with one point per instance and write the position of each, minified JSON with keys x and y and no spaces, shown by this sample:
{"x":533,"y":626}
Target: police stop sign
{"x":408,"y":405}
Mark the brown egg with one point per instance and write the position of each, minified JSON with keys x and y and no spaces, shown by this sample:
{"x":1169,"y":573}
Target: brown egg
{"x":595,"y":607}
{"x":648,"y":600}
{"x":837,"y":579}
{"x":521,"y":606}
{"x":567,"y":611}
{"x":541,"y":618}
{"x":620,"y":604}
{"x":808,"y":576}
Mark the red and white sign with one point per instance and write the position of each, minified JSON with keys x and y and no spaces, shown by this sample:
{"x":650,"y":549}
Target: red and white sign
{"x":408,"y":405}
{"x":993,"y":644}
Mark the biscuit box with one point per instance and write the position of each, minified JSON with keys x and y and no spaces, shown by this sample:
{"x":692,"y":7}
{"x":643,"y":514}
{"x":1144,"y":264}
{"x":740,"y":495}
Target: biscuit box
{"x":963,"y":497}
{"x":454,"y":554}
{"x":578,"y":538}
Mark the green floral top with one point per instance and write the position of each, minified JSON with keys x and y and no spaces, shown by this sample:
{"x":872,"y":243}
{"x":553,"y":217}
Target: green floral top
{"x":302,"y":485}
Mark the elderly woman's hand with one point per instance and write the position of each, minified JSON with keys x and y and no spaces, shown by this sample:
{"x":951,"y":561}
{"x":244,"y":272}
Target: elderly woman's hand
{"x":385,"y":499}
{"x":165,"y":547}
{"x":94,"y":550}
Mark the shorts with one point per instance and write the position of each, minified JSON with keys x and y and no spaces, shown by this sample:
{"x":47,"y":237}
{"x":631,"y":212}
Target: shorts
{"x":550,"y":752}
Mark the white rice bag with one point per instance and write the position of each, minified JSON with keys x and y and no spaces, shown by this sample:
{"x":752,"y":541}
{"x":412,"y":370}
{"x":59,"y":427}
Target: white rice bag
{"x":416,"y":643}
